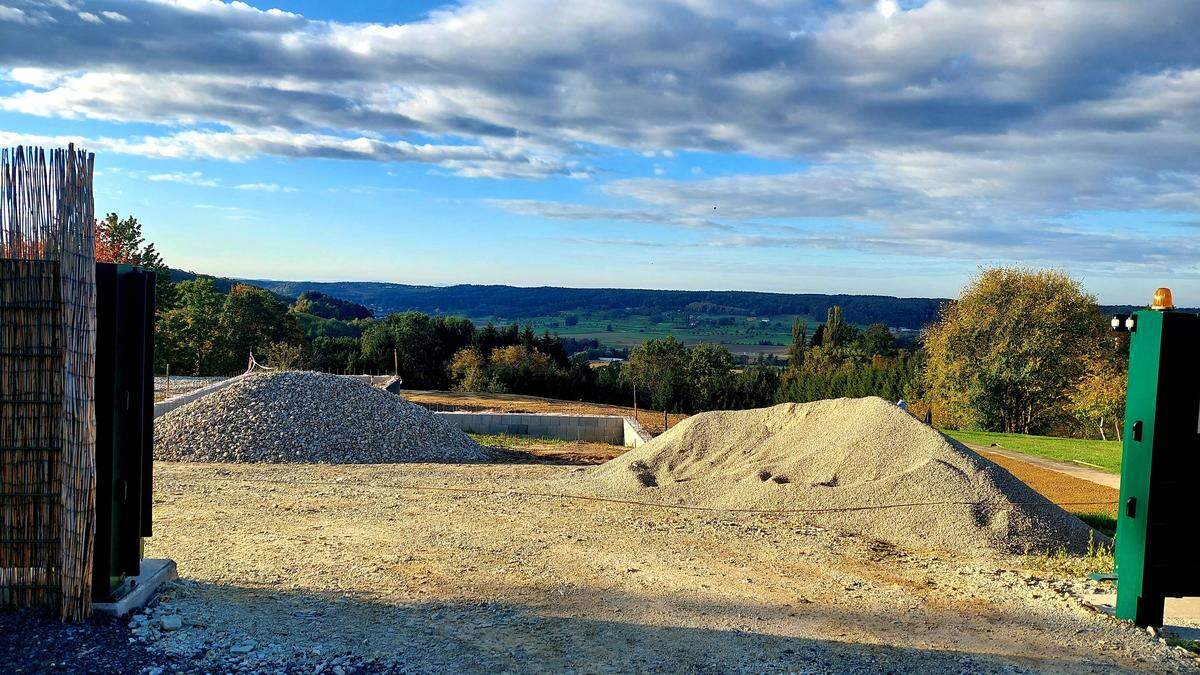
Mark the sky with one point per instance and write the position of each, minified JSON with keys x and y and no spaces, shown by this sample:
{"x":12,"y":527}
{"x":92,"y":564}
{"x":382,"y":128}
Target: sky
{"x":776,"y":145}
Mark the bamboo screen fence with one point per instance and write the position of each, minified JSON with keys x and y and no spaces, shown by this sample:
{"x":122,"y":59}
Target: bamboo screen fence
{"x":47,"y":372}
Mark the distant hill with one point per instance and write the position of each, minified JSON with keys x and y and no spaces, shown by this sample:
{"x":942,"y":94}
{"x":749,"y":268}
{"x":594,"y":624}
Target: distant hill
{"x":514,"y":302}
{"x":311,"y":302}
{"x":518,"y":302}
{"x":329,"y":307}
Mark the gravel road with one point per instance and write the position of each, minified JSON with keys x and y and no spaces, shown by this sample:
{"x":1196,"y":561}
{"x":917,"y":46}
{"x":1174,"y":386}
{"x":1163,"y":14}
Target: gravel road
{"x":306,"y":567}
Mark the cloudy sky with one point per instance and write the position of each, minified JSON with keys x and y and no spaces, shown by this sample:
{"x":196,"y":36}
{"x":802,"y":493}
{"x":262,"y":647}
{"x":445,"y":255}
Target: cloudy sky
{"x":855,"y":146}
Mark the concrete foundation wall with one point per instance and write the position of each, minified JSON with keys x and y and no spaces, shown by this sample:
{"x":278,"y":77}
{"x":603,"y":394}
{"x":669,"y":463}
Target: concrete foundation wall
{"x":593,"y":428}
{"x":635,"y":435}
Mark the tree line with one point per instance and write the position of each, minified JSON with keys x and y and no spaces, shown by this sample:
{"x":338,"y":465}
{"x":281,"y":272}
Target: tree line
{"x":1020,"y":351}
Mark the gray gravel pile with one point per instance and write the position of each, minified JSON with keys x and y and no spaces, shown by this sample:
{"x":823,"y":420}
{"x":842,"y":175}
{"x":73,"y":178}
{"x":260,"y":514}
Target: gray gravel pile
{"x":308,"y":418}
{"x":861,"y":465}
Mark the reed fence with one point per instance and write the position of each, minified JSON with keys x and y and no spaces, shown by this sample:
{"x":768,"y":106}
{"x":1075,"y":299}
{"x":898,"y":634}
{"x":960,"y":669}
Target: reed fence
{"x":47,"y":373}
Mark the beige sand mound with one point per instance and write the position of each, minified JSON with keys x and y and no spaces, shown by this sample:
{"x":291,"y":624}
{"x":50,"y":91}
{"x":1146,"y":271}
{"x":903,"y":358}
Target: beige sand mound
{"x":869,"y":467}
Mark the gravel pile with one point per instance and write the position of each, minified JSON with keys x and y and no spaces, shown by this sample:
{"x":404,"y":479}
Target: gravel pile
{"x":309,"y":418}
{"x":863,"y":466}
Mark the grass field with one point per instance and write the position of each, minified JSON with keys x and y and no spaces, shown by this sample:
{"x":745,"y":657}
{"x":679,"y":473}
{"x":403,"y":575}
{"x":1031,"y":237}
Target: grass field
{"x":740,"y":334}
{"x":1103,"y":455}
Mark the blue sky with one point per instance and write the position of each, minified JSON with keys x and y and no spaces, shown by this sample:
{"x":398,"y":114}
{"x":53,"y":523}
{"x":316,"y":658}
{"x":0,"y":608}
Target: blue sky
{"x":800,"y":146}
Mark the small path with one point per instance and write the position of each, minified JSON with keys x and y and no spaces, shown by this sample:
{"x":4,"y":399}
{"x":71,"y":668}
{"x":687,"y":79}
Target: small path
{"x":1110,"y":480}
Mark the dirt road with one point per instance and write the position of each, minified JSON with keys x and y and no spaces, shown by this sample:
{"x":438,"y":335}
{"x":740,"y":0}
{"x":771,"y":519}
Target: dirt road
{"x":298,"y":566}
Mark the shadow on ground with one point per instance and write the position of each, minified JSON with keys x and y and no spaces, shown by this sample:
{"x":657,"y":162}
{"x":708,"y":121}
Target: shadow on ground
{"x":496,"y":637}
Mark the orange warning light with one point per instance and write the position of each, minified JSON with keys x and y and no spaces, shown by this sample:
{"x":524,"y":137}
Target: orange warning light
{"x":1162,"y":299}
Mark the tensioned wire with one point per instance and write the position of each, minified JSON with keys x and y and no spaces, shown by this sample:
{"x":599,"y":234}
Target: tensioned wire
{"x":415,"y":487}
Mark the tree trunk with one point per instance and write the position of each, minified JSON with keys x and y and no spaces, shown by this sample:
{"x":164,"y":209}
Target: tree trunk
{"x":1102,"y":436}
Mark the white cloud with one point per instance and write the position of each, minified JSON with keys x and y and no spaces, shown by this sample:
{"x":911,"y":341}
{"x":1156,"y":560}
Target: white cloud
{"x":90,"y":18}
{"x":957,"y":121}
{"x":264,"y":187}
{"x":13,"y":14}
{"x":193,"y":178}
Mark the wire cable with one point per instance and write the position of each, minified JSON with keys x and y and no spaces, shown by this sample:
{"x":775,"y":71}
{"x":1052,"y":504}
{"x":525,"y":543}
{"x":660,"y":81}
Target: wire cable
{"x":635,"y":502}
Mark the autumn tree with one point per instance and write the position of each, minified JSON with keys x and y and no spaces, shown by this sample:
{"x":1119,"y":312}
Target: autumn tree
{"x":121,"y":241}
{"x":1098,"y":400}
{"x":468,"y":369}
{"x":1007,"y":355}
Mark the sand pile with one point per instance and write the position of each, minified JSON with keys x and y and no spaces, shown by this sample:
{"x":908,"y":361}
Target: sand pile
{"x":308,"y":417}
{"x":844,"y":454}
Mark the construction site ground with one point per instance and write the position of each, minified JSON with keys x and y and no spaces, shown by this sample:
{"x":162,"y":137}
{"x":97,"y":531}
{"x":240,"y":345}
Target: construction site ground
{"x":477,"y":568}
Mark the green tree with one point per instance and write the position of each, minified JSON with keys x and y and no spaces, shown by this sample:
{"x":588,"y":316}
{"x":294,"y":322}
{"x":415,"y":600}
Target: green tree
{"x":251,"y":319}
{"x":335,"y":355}
{"x":420,"y":344}
{"x":189,"y":337}
{"x":708,"y":377}
{"x":799,"y":343}
{"x":834,"y":327}
{"x":659,"y":368}
{"x":877,"y":339}
{"x":754,"y":387}
{"x":1008,"y":353}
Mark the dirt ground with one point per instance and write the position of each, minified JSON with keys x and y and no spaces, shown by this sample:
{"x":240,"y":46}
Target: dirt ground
{"x":652,"y":421}
{"x":1073,"y":494}
{"x":437,"y":568}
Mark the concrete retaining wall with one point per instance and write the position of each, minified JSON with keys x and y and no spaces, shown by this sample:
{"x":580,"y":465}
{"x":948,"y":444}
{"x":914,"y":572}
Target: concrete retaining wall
{"x":594,"y":428}
{"x":635,"y":435}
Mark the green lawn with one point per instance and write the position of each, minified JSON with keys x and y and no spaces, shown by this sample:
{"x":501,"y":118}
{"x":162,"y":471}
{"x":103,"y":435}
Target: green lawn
{"x":1105,"y":455}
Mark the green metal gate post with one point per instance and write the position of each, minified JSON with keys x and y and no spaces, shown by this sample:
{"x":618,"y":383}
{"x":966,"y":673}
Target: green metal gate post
{"x":1160,"y":462}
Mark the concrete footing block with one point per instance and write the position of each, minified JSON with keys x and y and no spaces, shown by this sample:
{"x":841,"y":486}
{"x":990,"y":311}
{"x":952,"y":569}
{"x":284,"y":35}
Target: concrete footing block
{"x":155,"y":572}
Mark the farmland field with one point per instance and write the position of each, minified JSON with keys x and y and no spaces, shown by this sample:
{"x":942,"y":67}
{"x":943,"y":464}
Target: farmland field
{"x":740,"y":334}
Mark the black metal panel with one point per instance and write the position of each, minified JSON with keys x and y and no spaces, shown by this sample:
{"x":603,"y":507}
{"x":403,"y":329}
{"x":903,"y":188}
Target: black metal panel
{"x":1171,"y":563}
{"x":103,"y":562}
{"x":124,"y":421}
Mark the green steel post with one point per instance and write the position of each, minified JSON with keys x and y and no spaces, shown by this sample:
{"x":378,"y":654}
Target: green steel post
{"x":1137,"y":598}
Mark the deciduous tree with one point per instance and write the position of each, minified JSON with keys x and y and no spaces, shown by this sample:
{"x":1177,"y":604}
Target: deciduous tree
{"x":1008,"y":353}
